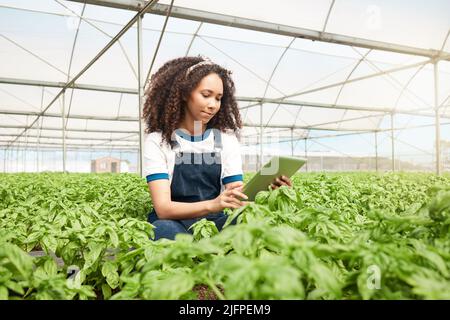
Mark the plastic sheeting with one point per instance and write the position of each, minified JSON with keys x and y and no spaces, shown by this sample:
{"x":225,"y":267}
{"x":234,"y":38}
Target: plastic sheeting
{"x":46,"y":41}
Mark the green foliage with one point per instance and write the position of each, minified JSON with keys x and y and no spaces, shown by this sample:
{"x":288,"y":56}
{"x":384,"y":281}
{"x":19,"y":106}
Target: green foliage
{"x":204,"y":229}
{"x":331,"y":236}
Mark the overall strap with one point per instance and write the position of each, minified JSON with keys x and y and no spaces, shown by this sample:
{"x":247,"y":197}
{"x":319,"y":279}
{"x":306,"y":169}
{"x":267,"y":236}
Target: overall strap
{"x":176,"y":145}
{"x":217,"y":140}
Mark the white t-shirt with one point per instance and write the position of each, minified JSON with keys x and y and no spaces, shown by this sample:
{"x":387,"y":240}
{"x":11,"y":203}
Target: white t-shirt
{"x":159,"y":159}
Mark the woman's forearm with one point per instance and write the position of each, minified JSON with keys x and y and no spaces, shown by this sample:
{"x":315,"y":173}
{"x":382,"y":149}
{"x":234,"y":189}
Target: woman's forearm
{"x":184,"y":210}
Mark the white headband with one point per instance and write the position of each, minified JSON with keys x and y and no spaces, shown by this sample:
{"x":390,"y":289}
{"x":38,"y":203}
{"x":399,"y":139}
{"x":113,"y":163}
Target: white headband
{"x":201,"y":63}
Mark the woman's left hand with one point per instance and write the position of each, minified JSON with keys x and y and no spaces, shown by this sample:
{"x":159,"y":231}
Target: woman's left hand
{"x":281,"y":181}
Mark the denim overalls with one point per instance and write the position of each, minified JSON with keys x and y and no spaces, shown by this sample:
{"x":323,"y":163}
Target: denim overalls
{"x":196,"y":177}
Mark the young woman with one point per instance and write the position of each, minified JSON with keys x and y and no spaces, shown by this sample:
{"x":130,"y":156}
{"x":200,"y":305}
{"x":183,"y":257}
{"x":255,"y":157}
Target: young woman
{"x":192,"y":160}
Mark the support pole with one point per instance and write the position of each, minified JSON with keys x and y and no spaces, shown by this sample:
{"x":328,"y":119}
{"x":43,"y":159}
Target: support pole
{"x":24,"y":156}
{"x":4,"y":160}
{"x":438,"y":124}
{"x":292,"y":142}
{"x":38,"y":132}
{"x":141,"y":97}
{"x":37,"y":157}
{"x":63,"y":96}
{"x":306,"y":153}
{"x":39,"y":143}
{"x":261,"y":137}
{"x":376,"y":151}
{"x":392,"y":142}
{"x":26,"y":152}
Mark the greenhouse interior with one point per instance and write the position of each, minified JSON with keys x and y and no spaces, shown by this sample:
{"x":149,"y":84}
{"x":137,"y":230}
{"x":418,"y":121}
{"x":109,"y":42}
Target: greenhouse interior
{"x":363,"y":93}
{"x":360,"y":89}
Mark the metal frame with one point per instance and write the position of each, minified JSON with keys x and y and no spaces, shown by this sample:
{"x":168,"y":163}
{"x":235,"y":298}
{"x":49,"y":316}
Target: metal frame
{"x":197,"y":15}
{"x":75,"y":144}
{"x":268,"y":84}
{"x":258,"y":100}
{"x":437,"y":125}
{"x":142,"y":11}
{"x":72,"y":138}
{"x":67,"y":129}
{"x":246,"y":136}
{"x":392,"y":142}
{"x":72,"y":147}
{"x":141,"y":83}
{"x":249,"y":24}
{"x":337,"y":84}
{"x":389,"y":130}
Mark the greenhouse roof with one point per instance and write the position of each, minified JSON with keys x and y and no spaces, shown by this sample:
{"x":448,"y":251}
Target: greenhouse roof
{"x":297,"y":65}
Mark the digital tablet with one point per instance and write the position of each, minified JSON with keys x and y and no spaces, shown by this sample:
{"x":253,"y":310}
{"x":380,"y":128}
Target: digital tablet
{"x":276,"y":167}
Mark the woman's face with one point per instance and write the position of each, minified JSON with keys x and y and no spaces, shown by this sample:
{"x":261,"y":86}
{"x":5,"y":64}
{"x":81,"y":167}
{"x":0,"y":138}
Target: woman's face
{"x":204,"y":101}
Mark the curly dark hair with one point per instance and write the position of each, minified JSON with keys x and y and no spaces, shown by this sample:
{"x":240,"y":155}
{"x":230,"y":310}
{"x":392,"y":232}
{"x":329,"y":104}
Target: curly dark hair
{"x":169,"y":90}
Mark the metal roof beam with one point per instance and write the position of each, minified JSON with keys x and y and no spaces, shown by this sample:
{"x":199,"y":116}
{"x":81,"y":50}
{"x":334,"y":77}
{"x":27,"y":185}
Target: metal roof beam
{"x":332,"y":106}
{"x":257,"y":100}
{"x":262,"y":26}
{"x":68,"y":129}
{"x":50,"y":84}
{"x":123,"y":131}
{"x":23,"y":145}
{"x":57,"y":115}
{"x":69,"y":138}
{"x":130,"y":23}
{"x":305,"y":127}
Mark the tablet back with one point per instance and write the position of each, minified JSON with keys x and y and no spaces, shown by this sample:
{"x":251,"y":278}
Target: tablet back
{"x":277,"y":166}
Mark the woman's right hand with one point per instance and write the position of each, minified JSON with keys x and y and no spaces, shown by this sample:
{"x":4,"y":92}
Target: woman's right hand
{"x":229,"y":198}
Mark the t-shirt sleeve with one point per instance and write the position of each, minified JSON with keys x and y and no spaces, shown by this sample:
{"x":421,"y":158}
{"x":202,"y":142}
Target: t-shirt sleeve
{"x":231,"y":160}
{"x":155,"y":161}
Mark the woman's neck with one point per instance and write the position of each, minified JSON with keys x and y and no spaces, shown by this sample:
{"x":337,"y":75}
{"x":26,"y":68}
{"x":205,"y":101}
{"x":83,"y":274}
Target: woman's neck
{"x":194,"y":128}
